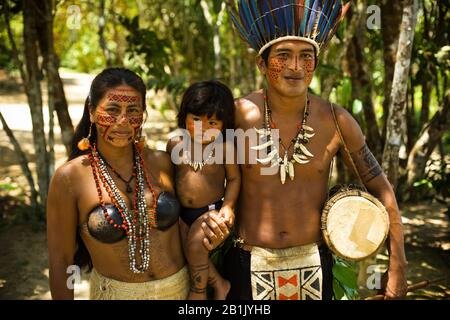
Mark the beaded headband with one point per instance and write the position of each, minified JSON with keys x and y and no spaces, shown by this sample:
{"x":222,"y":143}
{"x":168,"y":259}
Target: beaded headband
{"x":262,"y":23}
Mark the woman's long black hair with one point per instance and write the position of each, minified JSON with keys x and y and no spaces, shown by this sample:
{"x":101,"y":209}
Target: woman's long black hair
{"x":104,"y":81}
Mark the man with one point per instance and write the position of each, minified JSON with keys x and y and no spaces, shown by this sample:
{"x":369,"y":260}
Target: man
{"x":278,"y":215}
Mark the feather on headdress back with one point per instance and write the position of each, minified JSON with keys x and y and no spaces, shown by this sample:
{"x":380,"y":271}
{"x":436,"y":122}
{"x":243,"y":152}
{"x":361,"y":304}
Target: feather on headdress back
{"x":263,"y":23}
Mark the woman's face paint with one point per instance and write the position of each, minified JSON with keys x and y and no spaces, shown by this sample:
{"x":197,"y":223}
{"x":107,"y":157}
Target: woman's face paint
{"x":119,"y":115}
{"x":202,"y":129}
{"x":291,"y":66}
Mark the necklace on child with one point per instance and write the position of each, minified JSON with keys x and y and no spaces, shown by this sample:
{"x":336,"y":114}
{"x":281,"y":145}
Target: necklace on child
{"x":301,"y":153}
{"x":198,"y":165}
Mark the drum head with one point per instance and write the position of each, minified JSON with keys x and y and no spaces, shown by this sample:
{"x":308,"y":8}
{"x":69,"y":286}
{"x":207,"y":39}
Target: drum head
{"x":354,"y":224}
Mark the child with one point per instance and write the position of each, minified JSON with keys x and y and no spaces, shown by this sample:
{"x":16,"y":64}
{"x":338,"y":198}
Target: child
{"x":200,"y":183}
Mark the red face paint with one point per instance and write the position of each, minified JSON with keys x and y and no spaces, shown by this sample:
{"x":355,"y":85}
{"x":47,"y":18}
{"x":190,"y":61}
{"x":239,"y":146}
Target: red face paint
{"x":276,"y":67}
{"x":309,"y":67}
{"x":118,"y":112}
{"x":116,"y":97}
{"x":210,"y":127}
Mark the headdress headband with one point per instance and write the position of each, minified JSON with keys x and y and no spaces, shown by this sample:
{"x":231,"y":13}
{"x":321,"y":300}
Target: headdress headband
{"x":263,"y":23}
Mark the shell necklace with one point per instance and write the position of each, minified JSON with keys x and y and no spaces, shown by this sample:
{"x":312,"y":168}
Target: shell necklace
{"x":284,"y":163}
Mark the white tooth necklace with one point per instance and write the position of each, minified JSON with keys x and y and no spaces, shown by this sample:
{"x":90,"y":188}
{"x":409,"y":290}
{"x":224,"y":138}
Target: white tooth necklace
{"x":301,"y":153}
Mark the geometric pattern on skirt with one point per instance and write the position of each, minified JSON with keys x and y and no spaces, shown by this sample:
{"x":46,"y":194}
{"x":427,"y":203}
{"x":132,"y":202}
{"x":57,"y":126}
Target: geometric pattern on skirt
{"x":286,"y":274}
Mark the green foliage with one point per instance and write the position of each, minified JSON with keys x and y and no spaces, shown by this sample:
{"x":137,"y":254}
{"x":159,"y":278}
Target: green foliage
{"x":84,"y":54}
{"x":149,"y":52}
{"x":8,"y":186}
{"x":436,"y":183}
{"x":5,"y":54}
{"x":345,"y":285}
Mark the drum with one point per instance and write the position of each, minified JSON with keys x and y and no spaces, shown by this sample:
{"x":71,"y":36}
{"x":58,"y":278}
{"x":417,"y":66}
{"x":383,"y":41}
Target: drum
{"x":354,"y":224}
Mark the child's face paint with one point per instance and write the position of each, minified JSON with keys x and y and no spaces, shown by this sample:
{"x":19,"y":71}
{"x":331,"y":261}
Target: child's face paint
{"x":119,"y":115}
{"x":291,"y":66}
{"x":202,"y":129}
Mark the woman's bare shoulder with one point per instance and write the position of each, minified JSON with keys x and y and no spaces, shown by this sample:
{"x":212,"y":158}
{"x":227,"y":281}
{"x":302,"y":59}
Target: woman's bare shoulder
{"x":73,"y":167}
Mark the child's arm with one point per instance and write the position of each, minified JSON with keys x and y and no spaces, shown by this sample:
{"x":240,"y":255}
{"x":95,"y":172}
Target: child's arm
{"x":233,"y":176}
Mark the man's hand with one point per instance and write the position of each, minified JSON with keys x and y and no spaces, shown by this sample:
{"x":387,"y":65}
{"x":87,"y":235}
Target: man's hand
{"x":394,"y":284}
{"x":215,"y":229}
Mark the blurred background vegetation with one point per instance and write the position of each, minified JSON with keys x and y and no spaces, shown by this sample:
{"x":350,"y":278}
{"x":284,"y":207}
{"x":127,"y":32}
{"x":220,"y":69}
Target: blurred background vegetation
{"x":172,"y":43}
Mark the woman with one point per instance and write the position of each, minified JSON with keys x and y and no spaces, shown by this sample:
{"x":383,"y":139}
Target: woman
{"x":111,"y":206}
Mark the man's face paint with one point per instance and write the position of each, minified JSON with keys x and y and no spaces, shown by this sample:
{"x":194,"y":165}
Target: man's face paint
{"x":291,"y":64}
{"x":119,"y":115}
{"x":203,"y":129}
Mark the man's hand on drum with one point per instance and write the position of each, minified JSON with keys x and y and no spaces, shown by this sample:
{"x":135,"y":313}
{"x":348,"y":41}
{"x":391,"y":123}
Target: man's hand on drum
{"x":394,"y":284}
{"x":215,"y":228}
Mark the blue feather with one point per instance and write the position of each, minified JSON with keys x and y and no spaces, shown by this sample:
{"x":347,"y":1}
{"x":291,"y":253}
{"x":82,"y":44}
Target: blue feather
{"x":258,"y":23}
{"x":269,"y":23}
{"x":323,"y":19}
{"x":305,"y":17}
{"x":241,"y":29}
{"x":329,"y":24}
{"x":280,"y":20}
{"x":288,"y":13}
{"x":252,"y":31}
{"x":312,"y":19}
{"x":334,"y":15}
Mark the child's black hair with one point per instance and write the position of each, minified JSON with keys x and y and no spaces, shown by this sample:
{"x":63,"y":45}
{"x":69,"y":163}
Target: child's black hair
{"x":208,"y":98}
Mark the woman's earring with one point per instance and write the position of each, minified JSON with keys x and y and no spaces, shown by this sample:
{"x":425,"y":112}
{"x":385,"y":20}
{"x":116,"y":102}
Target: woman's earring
{"x":84,"y":143}
{"x":140,"y":141}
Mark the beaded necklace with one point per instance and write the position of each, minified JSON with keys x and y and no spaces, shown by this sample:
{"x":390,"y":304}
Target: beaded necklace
{"x":301,"y":153}
{"x":127,"y":182}
{"x":136,"y":222}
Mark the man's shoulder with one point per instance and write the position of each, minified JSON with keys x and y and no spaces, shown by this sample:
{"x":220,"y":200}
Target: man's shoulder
{"x":248,"y":108}
{"x":249,"y":102}
{"x":324,"y":106}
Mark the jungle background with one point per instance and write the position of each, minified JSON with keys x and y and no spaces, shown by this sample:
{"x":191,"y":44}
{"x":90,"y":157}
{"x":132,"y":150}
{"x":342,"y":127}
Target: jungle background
{"x":388,"y":65}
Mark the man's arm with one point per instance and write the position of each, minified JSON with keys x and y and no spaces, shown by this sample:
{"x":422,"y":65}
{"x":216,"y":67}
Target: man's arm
{"x":377,"y":184}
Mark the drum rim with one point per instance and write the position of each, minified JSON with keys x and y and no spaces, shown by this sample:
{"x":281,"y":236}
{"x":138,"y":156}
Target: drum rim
{"x":336,"y":197}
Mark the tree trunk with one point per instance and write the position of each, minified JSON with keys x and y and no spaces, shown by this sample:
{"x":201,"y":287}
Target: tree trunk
{"x":23,"y":164}
{"x":428,"y":140}
{"x":34,"y":95}
{"x":390,"y":30}
{"x":56,"y":96}
{"x":395,"y":121}
{"x":362,"y":83}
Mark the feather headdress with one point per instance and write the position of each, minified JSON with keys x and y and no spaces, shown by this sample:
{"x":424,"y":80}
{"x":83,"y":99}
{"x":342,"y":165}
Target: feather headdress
{"x":263,"y":23}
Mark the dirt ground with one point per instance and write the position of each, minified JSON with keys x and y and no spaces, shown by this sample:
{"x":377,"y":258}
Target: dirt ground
{"x":24,"y":264}
{"x":23,"y":248}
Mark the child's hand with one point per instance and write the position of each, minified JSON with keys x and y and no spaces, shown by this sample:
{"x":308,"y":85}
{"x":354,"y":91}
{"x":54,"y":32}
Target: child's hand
{"x":227,"y":214}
